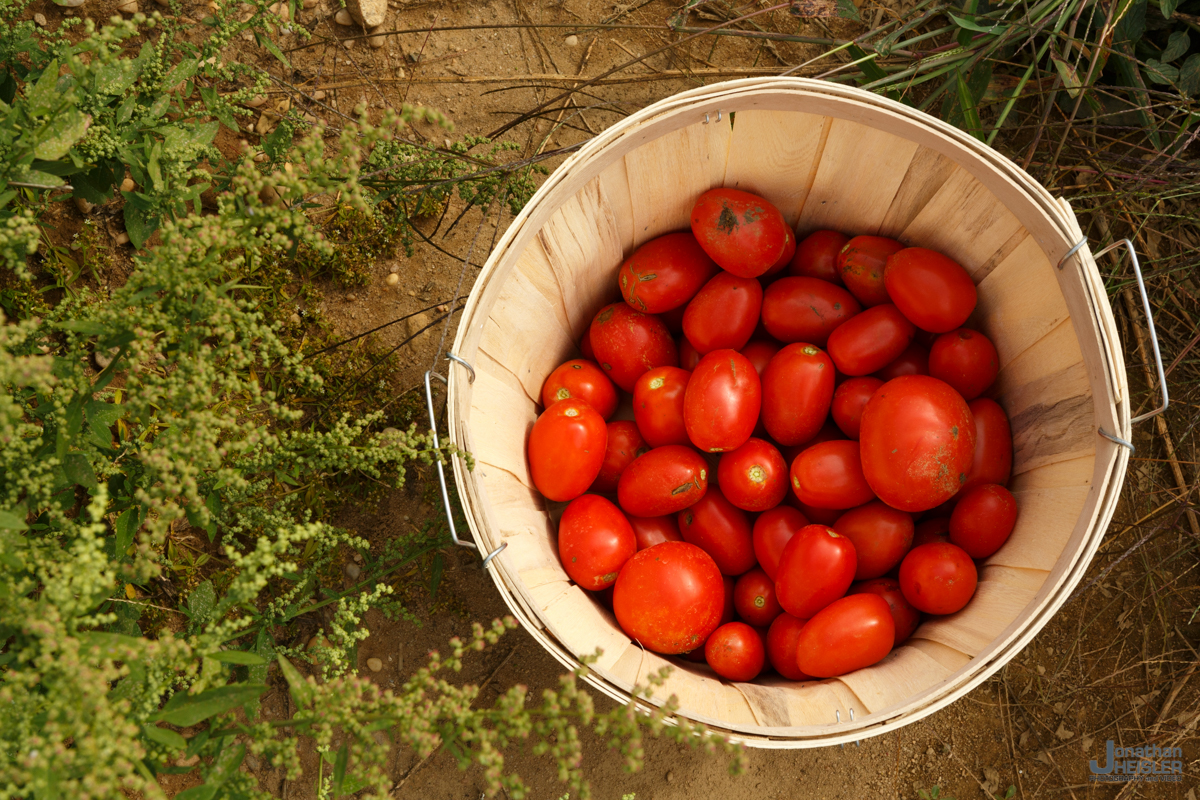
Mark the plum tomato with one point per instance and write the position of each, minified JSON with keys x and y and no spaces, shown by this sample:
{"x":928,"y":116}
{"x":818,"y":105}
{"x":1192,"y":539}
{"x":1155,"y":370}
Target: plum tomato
{"x":913,"y":361}
{"x":983,"y":520}
{"x":742,"y":232}
{"x":797,"y":388}
{"x":594,"y":541}
{"x":753,"y":477}
{"x":669,"y":597}
{"x":663,"y":481}
{"x":650,"y":531}
{"x":789,"y":250}
{"x":870,"y":341}
{"x":658,"y":405}
{"x":688,"y":357}
{"x":566,"y":449}
{"x":849,"y":399}
{"x":816,"y":256}
{"x":582,"y":379}
{"x":754,"y":598}
{"x":965,"y":359}
{"x":760,"y":352}
{"x":904,"y":615}
{"x":735,"y":651}
{"x":665,"y":273}
{"x":918,"y":442}
{"x":933,"y":291}
{"x":673,"y":319}
{"x":720,"y":529}
{"x":816,"y":567}
{"x":627,"y":343}
{"x":806,"y":309}
{"x":861,"y":263}
{"x":625,"y":444}
{"x":881,"y":536}
{"x":781,"y":646}
{"x":723,"y":314}
{"x":829,"y":432}
{"x":814,"y":514}
{"x":830,"y":475}
{"x":938,"y":578}
{"x":722,"y":401}
{"x":771,"y":533}
{"x":993,"y":445}
{"x":935,"y":529}
{"x":848,"y":634}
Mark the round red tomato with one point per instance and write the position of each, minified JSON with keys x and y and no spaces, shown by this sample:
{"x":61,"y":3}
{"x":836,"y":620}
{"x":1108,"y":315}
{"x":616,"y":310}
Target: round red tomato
{"x":913,"y":361}
{"x":816,"y":567}
{"x":936,"y":529}
{"x":965,"y":359}
{"x":754,"y":477}
{"x":904,"y":615}
{"x":582,"y":379}
{"x":650,"y":531}
{"x":993,"y":445}
{"x":566,"y":449}
{"x":669,"y":597}
{"x":624,"y":445}
{"x":720,"y":529}
{"x":772,"y":531}
{"x":849,"y":399}
{"x":849,"y":634}
{"x":933,"y":291}
{"x":662,"y":481}
{"x":918,"y":442}
{"x":782,"y":637}
{"x":688,"y":357}
{"x":742,"y":232}
{"x":830,"y":475}
{"x":938,"y":578}
{"x":594,"y":541}
{"x":881,"y":536}
{"x":983,"y":520}
{"x":806,"y":309}
{"x":722,"y":401}
{"x":759,"y":352}
{"x":789,"y":250}
{"x":797,"y":389}
{"x":861,"y":263}
{"x":817,"y":254}
{"x":665,"y":273}
{"x":723,"y":314}
{"x":735,"y":652}
{"x":628,"y":343}
{"x":658,"y":406}
{"x":754,"y":598}
{"x":870,"y":341}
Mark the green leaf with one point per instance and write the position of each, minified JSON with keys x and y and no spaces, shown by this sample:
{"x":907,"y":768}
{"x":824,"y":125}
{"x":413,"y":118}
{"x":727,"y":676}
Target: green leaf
{"x":165,"y":737}
{"x":966,"y":102}
{"x":13,"y":520}
{"x":126,"y":527}
{"x":100,"y":417}
{"x":159,"y":106}
{"x":114,"y":78}
{"x":40,"y":99}
{"x":35,"y":178}
{"x":435,"y":577}
{"x":339,"y":768}
{"x":869,"y":68}
{"x":79,"y":471}
{"x":1189,"y":76}
{"x":139,"y":224}
{"x":994,"y":28}
{"x":240,"y":657}
{"x":86,"y":327}
{"x":302,"y":693}
{"x":184,"y":710}
{"x":1177,"y":46}
{"x":1133,"y":20}
{"x":1161,"y":73}
{"x":109,"y":642}
{"x":275,"y":143}
{"x":56,"y":138}
{"x":1066,"y":71}
{"x":201,"y":603}
{"x":1167,"y":7}
{"x":847,"y":10}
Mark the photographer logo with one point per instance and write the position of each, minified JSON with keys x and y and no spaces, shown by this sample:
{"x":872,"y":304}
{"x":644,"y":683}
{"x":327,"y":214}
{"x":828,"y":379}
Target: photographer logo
{"x":1145,"y":764}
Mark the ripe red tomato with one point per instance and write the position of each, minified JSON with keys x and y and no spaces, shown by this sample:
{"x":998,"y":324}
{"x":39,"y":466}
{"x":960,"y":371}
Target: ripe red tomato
{"x":594,"y":541}
{"x":735,"y":652}
{"x":933,"y":291}
{"x":583,"y":379}
{"x":624,"y":445}
{"x":849,"y":634}
{"x":721,"y":529}
{"x":688,"y":357}
{"x":760,"y":352}
{"x":806,"y":309}
{"x":904,"y":615}
{"x":983,"y":520}
{"x":723,"y":314}
{"x":628,"y":343}
{"x":861,"y":263}
{"x":870,"y":341}
{"x":566,"y":449}
{"x":936,"y":529}
{"x":918,"y":442}
{"x":754,"y":598}
{"x":658,"y":405}
{"x":669,"y":597}
{"x":797,"y":389}
{"x":650,"y":531}
{"x":965,"y":359}
{"x":772,"y":531}
{"x":849,"y":399}
{"x":913,"y":361}
{"x":938,"y":578}
{"x":753,"y":477}
{"x":830,"y":475}
{"x":663,"y":481}
{"x":814,"y":514}
{"x":722,"y":401}
{"x":789,"y":250}
{"x":816,"y":567}
{"x":993,"y":445}
{"x":665,"y":273}
{"x":881,"y":536}
{"x":829,"y":432}
{"x":742,"y":232}
{"x":781,"y":646}
{"x":816,"y":256}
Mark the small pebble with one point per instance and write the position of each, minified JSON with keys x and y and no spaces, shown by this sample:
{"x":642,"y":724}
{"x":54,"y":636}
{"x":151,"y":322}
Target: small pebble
{"x":190,"y":761}
{"x":260,"y":158}
{"x":319,"y":94}
{"x":377,"y":41}
{"x":394,"y":268}
{"x":39,"y":20}
{"x":122,"y":238}
{"x":351,"y":297}
{"x":251,"y":762}
{"x":128,"y":185}
{"x":353,"y":571}
{"x":447,"y":143}
{"x":670,"y":777}
{"x":374,"y":664}
{"x":571,"y":41}
{"x":256,"y":102}
{"x":392,"y":279}
{"x":294,"y":319}
{"x":71,"y":3}
{"x":281,"y":10}
{"x":358,"y":559}
{"x":342,"y":17}
{"x":128,"y":7}
{"x":311,"y":3}
{"x":84,"y":206}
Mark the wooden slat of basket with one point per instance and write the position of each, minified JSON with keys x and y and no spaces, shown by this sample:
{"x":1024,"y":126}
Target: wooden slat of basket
{"x":582,"y":625}
{"x":534,"y":266}
{"x":992,"y":610}
{"x":779,"y":703}
{"x":614,"y":186}
{"x":1045,"y":521}
{"x":949,"y":657}
{"x":1026,"y":580}
{"x":1069,"y":472}
{"x":500,"y":440}
{"x":1014,"y":306}
{"x":927,"y":173}
{"x":705,"y":698}
{"x":904,"y":673}
{"x":776,"y":157}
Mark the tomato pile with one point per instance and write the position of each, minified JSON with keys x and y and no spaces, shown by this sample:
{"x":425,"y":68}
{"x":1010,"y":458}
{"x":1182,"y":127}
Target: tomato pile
{"x":812,"y":462}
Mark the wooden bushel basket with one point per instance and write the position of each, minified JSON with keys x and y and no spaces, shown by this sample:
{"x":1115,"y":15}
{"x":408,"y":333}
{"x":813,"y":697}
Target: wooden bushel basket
{"x":829,"y":157}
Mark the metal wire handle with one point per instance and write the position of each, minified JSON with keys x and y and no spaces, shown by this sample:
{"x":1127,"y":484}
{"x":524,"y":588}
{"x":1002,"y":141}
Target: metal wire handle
{"x":440,"y":471}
